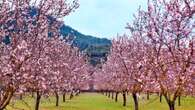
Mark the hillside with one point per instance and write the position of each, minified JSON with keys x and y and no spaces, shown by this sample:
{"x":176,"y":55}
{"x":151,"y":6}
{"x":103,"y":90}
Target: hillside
{"x":96,"y":48}
{"x":83,"y":41}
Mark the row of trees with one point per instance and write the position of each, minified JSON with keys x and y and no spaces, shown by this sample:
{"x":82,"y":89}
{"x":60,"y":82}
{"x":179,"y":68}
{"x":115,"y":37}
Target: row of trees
{"x":33,"y":55}
{"x":158,"y":56}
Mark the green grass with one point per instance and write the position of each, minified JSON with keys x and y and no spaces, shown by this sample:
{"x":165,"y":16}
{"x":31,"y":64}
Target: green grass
{"x":93,"y":101}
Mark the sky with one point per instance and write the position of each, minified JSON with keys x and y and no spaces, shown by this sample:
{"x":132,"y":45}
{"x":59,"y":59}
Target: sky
{"x":103,"y":18}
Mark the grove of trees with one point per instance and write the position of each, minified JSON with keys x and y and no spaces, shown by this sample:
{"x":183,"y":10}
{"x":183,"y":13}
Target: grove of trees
{"x":34,"y":57}
{"x":157,"y":57}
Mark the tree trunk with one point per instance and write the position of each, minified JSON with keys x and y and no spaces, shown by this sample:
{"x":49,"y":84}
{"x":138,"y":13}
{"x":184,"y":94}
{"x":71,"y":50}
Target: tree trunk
{"x":71,"y":95}
{"x":160,"y":97}
{"x":109,"y":94}
{"x":171,"y":105}
{"x":112,"y":95}
{"x":20,"y":96}
{"x":32,"y":94}
{"x":179,"y":100}
{"x":135,"y":99}
{"x":148,"y":95}
{"x":116,"y":97}
{"x":170,"y":102}
{"x":6,"y":99}
{"x":124,"y":98}
{"x":38,"y":98}
{"x":57,"y":99}
{"x":76,"y":93}
{"x":64,"y":97}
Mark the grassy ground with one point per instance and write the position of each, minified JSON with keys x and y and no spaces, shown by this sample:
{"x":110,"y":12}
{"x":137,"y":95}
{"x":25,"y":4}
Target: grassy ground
{"x":93,"y":101}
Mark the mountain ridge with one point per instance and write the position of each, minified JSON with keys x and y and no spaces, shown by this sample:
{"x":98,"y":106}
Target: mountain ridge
{"x":81,"y":40}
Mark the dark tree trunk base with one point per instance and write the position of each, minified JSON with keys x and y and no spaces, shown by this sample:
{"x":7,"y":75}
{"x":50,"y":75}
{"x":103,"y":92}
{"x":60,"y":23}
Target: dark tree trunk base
{"x":116,"y":97}
{"x":160,"y":98}
{"x":108,"y":94}
{"x":171,"y":105}
{"x":71,"y":95}
{"x":64,"y":97}
{"x":32,"y":94}
{"x":21,"y":97}
{"x":179,"y":101}
{"x":135,"y":101}
{"x":124,"y":99}
{"x":112,"y":95}
{"x":57,"y":99}
{"x":38,"y":98}
{"x":148,"y":95}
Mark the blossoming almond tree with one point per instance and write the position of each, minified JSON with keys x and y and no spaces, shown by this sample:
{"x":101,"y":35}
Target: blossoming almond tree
{"x":168,"y":27}
{"x":159,"y":53}
{"x":124,"y":69}
{"x":24,"y":27}
{"x":69,"y":68}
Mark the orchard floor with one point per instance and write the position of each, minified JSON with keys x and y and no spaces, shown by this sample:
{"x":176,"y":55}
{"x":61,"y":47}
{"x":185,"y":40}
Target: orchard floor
{"x":94,"y":101}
